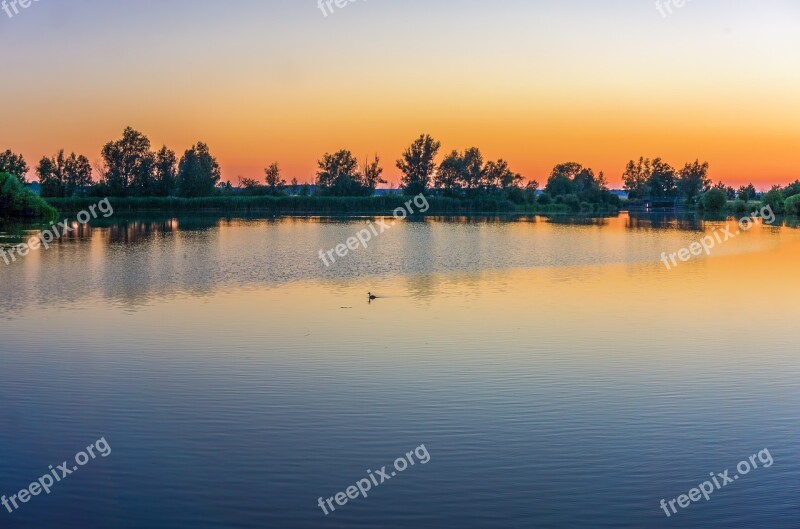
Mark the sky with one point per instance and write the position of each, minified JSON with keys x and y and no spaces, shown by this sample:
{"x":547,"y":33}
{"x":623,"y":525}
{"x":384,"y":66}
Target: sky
{"x":535,"y":82}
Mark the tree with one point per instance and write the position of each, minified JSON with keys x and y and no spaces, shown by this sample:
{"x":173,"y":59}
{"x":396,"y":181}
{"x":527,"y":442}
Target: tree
{"x":636,"y":176}
{"x":338,"y":175}
{"x":13,"y":164}
{"x":165,"y":172}
{"x":714,"y":200}
{"x":198,"y":172}
{"x":730,"y":191}
{"x":62,"y":176}
{"x":372,"y":174}
{"x":461,"y":173}
{"x":275,"y":183}
{"x":747,"y":192}
{"x":250,"y":185}
{"x":561,"y":179}
{"x":792,"y":205}
{"x":775,"y":199}
{"x":498,"y":176}
{"x":693,"y":180}
{"x":792,"y":189}
{"x":418,"y":163}
{"x":129,"y":165}
{"x":662,"y":181}
{"x":448,"y":177}
{"x":16,"y":201}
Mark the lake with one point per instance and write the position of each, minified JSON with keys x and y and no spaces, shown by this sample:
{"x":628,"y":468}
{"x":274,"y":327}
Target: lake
{"x":556,"y":372}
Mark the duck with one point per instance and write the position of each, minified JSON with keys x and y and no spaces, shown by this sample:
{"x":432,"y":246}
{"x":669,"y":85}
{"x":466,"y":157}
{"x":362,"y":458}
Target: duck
{"x":371,"y":297}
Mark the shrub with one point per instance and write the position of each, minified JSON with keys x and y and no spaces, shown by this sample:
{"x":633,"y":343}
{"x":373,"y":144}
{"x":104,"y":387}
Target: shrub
{"x":545,"y":199}
{"x":740,"y":207}
{"x":792,"y":205}
{"x":573,"y":202}
{"x":775,"y":199}
{"x":714,"y":200}
{"x":18,"y":202}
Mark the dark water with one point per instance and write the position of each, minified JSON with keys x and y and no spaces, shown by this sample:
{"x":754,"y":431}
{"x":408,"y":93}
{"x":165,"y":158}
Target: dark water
{"x":557,"y":373}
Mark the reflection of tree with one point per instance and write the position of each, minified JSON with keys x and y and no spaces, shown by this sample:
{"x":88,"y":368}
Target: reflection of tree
{"x":659,"y":221}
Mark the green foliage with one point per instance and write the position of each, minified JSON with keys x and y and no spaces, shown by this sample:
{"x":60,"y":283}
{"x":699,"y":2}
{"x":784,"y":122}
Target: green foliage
{"x":792,"y":189}
{"x":572,"y":202}
{"x":383,"y":205}
{"x":418,"y":163}
{"x":17,"y":202}
{"x":775,"y":198}
{"x":693,"y":180}
{"x":714,"y":199}
{"x":62,"y":176}
{"x":338,"y":175}
{"x":272,"y":176}
{"x":747,"y":193}
{"x":13,"y":164}
{"x":663,"y":180}
{"x":198,"y":172}
{"x":740,"y":207}
{"x":792,"y":205}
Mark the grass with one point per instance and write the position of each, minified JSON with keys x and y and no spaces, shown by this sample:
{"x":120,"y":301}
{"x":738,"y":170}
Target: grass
{"x":311,"y":205}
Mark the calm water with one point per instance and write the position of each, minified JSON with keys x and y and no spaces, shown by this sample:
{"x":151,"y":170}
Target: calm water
{"x":558,"y":375}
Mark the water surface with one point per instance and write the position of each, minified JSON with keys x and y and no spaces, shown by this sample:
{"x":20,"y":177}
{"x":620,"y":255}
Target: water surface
{"x":558,"y":374}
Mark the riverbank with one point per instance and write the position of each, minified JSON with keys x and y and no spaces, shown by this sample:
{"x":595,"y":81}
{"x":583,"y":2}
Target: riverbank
{"x":315,"y":205}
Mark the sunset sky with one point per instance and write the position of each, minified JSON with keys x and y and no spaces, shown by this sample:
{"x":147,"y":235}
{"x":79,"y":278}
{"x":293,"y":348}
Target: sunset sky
{"x":536,"y":82}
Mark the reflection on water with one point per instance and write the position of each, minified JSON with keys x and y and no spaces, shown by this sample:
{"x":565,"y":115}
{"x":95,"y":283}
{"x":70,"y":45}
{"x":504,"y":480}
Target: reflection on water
{"x":558,"y":374}
{"x":131,"y":261}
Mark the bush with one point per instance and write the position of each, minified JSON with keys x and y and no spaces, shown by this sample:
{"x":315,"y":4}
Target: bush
{"x":573,"y":202}
{"x":792,"y":205}
{"x":775,"y":199}
{"x":714,"y":200}
{"x":545,"y":199}
{"x":18,"y":202}
{"x":740,"y":207}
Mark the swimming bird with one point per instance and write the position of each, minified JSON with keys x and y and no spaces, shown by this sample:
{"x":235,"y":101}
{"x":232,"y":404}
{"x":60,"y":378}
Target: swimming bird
{"x":371,"y":297}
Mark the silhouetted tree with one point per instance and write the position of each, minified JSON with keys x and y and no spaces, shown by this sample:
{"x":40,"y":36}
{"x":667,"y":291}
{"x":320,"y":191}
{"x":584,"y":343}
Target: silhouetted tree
{"x":275,"y":183}
{"x":13,"y":164}
{"x":62,"y":176}
{"x":338,"y":175}
{"x":729,"y":191}
{"x":498,"y":176}
{"x":371,"y":174}
{"x":166,"y":172}
{"x":747,"y":192}
{"x":636,"y":176}
{"x":561,"y":179}
{"x":418,"y":163}
{"x":198,"y":172}
{"x":662,"y":182}
{"x":792,"y":189}
{"x":128,"y":165}
{"x":693,"y":180}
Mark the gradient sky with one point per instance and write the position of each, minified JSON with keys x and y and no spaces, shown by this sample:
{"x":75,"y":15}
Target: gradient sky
{"x":536,"y":82}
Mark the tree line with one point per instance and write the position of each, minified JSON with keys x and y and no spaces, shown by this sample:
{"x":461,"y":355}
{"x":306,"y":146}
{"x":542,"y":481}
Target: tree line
{"x":130,"y":167}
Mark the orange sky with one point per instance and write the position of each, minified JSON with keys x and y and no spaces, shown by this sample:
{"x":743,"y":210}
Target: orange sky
{"x":534,"y":84}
